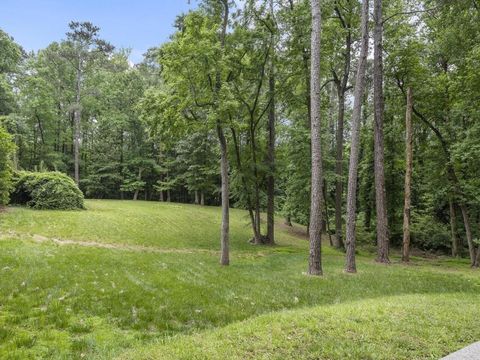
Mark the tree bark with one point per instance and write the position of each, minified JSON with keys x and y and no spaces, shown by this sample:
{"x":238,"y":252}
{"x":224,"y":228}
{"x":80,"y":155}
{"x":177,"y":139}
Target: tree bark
{"x":225,"y":191}
{"x":380,"y":192}
{"x":476,"y":264}
{"x":468,"y":231}
{"x":202,"y":198}
{"x":271,"y":155}
{"x":224,"y":233}
{"x":408,"y":177}
{"x":315,"y":261}
{"x":338,"y":240}
{"x":342,"y":86}
{"x":359,"y":91}
{"x":197,"y":199}
{"x":453,"y":227}
{"x":77,"y":116}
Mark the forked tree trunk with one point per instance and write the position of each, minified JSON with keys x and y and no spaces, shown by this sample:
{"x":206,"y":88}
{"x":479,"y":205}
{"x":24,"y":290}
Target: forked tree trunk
{"x":380,"y":192}
{"x":315,"y":260}
{"x":408,"y":177}
{"x":355,"y":145}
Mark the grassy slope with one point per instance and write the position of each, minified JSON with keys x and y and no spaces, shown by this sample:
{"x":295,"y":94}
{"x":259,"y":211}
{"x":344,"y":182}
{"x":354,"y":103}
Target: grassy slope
{"x":72,"y":301}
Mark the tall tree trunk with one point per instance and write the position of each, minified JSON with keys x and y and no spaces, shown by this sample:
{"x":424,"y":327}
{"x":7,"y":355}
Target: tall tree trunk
{"x":338,"y":240}
{"x":224,"y":234}
{"x":77,"y":116}
{"x":271,"y":147}
{"x":380,"y":192}
{"x":197,"y":198}
{"x":408,"y":177}
{"x":315,"y":260}
{"x":342,"y":86}
{"x":169,"y":196}
{"x":202,"y":198}
{"x":355,"y":145}
{"x":225,"y":191}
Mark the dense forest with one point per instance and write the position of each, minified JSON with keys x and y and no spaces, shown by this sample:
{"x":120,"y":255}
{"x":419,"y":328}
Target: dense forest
{"x":357,"y":119}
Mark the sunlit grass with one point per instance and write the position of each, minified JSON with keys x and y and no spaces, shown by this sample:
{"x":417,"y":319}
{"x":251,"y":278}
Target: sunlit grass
{"x":69,"y":301}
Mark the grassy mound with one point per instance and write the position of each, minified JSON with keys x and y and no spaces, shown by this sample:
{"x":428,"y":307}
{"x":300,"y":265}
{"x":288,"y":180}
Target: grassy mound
{"x":46,"y":190}
{"x":402,"y":327}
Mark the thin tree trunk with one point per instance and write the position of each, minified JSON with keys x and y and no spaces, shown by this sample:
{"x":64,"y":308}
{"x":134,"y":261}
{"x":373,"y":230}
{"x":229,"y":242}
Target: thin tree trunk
{"x":271,"y":153}
{"x":380,"y":192}
{"x":288,"y":221}
{"x":77,"y":115}
{"x":169,"y":196}
{"x":327,"y":216}
{"x":224,"y":234}
{"x":408,"y":177}
{"x":197,"y":199}
{"x":202,"y":198}
{"x":355,"y":145}
{"x":453,"y":227}
{"x":476,"y":264}
{"x":244,"y":182}
{"x":338,"y":240}
{"x":468,"y":231}
{"x":137,"y":191}
{"x":225,"y":191}
{"x":342,"y":85}
{"x":315,"y":261}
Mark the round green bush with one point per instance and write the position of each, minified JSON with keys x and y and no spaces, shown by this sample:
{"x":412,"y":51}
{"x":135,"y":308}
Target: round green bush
{"x":46,"y":190}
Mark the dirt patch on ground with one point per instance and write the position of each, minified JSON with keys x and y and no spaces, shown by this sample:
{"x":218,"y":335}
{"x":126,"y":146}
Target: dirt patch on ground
{"x":125,"y":247}
{"x":295,"y":230}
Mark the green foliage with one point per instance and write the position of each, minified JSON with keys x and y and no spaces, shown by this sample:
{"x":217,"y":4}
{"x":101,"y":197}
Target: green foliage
{"x":429,"y":234}
{"x":7,"y":148}
{"x":46,"y":190}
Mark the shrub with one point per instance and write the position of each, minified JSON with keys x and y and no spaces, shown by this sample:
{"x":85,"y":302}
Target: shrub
{"x":6,"y":149}
{"x":46,"y":190}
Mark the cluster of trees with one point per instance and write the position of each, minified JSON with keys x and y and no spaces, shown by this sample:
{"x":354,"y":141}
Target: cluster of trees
{"x":272,"y":106}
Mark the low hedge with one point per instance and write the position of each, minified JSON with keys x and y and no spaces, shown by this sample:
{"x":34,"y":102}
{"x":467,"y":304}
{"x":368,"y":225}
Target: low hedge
{"x":46,"y":190}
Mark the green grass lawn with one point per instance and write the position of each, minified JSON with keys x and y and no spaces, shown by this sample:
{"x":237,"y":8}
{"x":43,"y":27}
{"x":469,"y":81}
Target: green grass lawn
{"x":151,"y":288}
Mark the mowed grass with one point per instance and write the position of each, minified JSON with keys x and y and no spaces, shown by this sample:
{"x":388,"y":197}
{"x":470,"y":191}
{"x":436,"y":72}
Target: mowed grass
{"x":160,"y":293}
